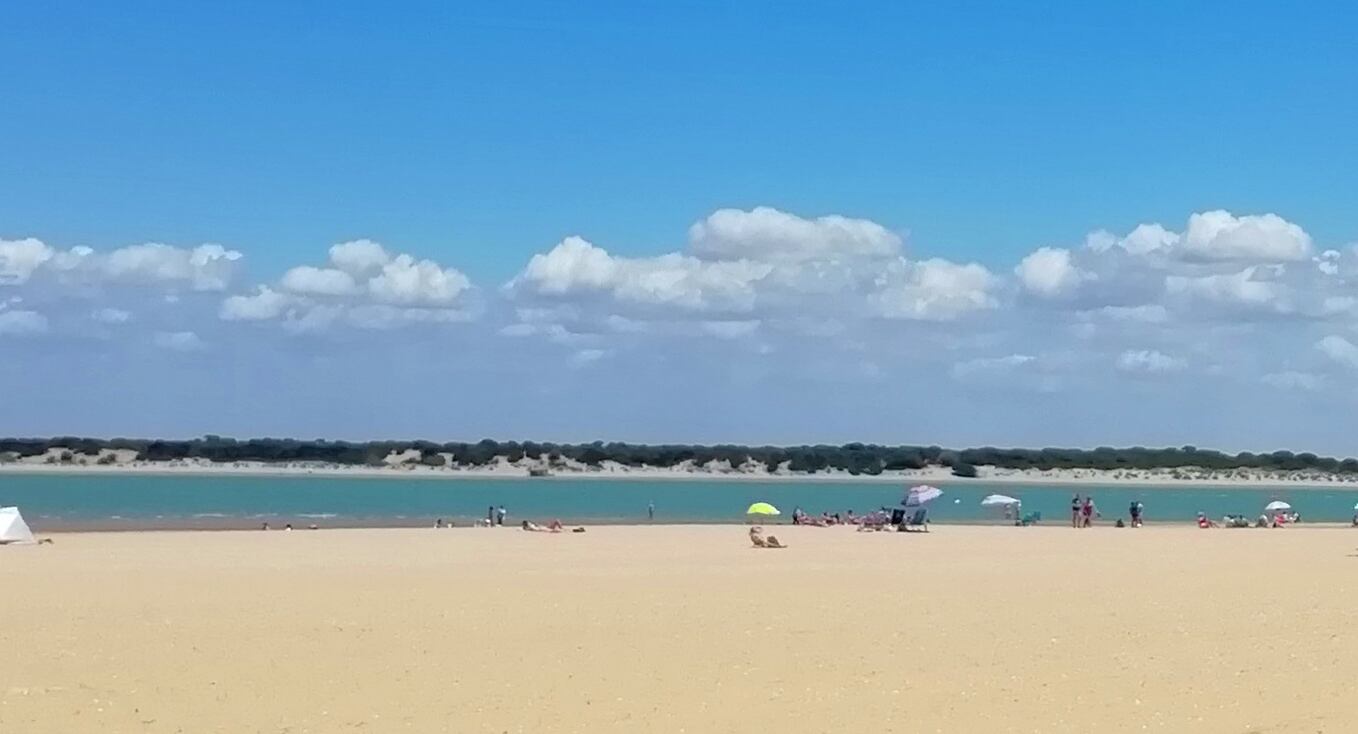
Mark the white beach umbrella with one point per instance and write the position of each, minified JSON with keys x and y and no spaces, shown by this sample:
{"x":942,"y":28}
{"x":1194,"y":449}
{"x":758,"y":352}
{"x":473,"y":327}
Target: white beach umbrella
{"x":920,"y":495}
{"x":999,"y":500}
{"x":1276,"y":505}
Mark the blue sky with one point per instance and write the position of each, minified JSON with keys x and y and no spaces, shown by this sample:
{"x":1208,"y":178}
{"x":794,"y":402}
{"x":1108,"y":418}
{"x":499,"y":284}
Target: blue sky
{"x":479,"y":137}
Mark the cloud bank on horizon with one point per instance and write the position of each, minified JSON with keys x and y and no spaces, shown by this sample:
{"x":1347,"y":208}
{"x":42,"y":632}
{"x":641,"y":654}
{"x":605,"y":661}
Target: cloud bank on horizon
{"x":763,"y":326}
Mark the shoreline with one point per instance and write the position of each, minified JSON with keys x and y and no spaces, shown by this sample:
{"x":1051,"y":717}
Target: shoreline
{"x":240,"y":525}
{"x":938,"y":475}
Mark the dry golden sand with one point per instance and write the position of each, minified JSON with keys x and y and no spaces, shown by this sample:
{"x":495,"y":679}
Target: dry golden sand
{"x":682,"y":629}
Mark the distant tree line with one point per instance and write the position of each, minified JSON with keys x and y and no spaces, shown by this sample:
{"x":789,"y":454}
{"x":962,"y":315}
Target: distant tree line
{"x":854,"y":458}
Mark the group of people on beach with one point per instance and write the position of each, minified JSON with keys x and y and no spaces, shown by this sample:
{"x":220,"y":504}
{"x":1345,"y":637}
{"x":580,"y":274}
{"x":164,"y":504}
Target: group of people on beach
{"x":1278,"y":520}
{"x":826,"y":519}
{"x":1083,"y":511}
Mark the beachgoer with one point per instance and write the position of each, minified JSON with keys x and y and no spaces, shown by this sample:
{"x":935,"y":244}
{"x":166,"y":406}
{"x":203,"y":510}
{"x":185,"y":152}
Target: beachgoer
{"x":1135,"y":511}
{"x":438,"y":523}
{"x":500,"y":515}
{"x":490,"y":515}
{"x":759,"y":541}
{"x":1087,"y":512}
{"x":1075,"y":511}
{"x":288,"y":526}
{"x":650,"y":512}
{"x":266,"y":526}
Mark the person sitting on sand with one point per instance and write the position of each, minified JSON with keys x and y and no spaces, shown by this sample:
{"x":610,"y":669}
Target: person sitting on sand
{"x":1204,"y":522}
{"x":757,"y":537}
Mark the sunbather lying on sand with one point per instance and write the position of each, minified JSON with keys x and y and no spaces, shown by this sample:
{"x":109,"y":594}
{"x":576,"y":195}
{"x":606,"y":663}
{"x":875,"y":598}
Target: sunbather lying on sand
{"x":757,"y":537}
{"x":552,"y":527}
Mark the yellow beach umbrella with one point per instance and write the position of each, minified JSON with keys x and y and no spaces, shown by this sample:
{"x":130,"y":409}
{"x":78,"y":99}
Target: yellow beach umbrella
{"x":762,"y":508}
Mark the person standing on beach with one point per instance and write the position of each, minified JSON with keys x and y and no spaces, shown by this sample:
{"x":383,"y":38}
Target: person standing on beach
{"x":1087,"y":512}
{"x":1075,"y":511}
{"x":490,"y":515}
{"x":500,"y":516}
{"x":650,"y":512}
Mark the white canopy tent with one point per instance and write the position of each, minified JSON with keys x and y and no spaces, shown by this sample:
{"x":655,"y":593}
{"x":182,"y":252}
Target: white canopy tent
{"x":999,"y":500}
{"x":13,"y":529}
{"x":1277,"y":505}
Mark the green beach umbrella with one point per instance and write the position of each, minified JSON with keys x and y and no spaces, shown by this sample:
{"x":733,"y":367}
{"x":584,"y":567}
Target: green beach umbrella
{"x":762,"y":508}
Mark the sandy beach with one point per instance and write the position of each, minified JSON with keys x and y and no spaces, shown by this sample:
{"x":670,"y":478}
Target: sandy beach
{"x":611,"y":470}
{"x":682,"y":628}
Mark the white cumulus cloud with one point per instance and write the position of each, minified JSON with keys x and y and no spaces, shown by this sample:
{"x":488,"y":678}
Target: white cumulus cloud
{"x":1290,"y":380}
{"x":577,"y":266}
{"x":363,"y":285}
{"x":934,"y":290}
{"x":1149,"y":361}
{"x":767,"y":234}
{"x":20,"y":258}
{"x":1219,"y":235}
{"x":22,"y":323}
{"x":309,"y":280}
{"x":265,"y":304}
{"x":111,"y":316}
{"x":203,"y":268}
{"x":179,"y":341}
{"x":1339,"y":349}
{"x":990,"y":365}
{"x":405,"y":280}
{"x":1049,"y":272}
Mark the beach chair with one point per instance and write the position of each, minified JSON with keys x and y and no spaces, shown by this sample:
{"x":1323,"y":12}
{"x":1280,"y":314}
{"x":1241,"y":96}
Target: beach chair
{"x":916,"y":523}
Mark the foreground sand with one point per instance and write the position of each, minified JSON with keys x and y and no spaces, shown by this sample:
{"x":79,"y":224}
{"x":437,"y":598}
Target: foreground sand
{"x":682,"y":629}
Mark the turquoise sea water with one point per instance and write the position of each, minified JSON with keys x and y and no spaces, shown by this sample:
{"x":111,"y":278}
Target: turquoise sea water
{"x":116,"y":501}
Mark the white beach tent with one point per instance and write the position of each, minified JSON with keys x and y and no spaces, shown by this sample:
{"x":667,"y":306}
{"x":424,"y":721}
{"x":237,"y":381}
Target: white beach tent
{"x":999,"y":500}
{"x":13,"y":529}
{"x":1277,"y":505}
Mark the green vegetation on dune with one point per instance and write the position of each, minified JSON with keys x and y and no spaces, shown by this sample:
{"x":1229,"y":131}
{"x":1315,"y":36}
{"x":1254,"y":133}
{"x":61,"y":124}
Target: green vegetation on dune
{"x":854,"y":458}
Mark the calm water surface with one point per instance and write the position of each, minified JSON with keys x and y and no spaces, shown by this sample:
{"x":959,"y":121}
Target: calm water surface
{"x":111,"y":501}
